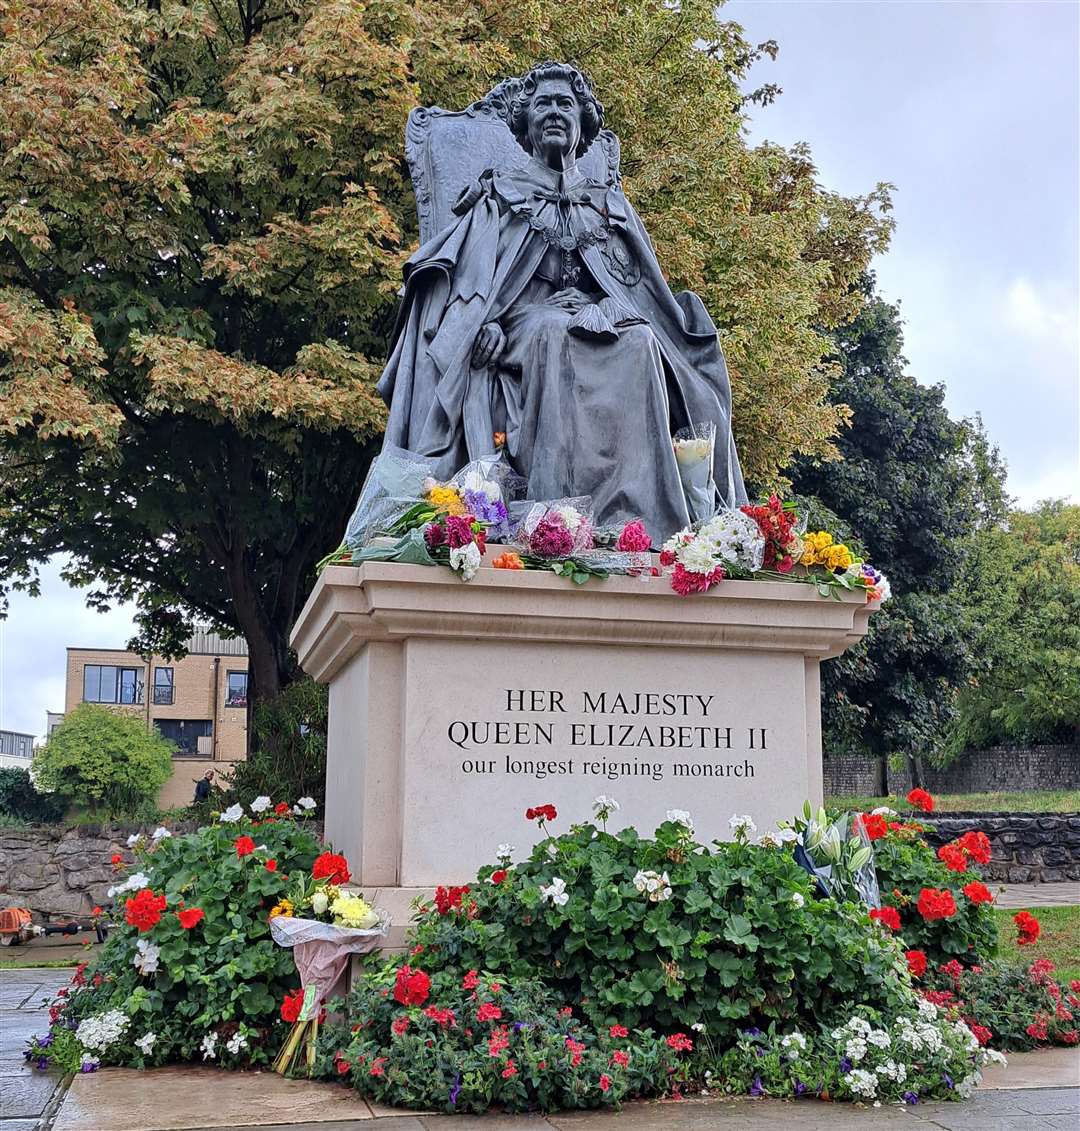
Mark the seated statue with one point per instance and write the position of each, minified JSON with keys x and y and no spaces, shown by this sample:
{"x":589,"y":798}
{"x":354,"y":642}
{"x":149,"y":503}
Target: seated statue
{"x":539,"y":315}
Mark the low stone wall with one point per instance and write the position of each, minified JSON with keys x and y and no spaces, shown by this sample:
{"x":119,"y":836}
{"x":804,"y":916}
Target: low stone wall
{"x":999,"y":769}
{"x":1027,"y":848}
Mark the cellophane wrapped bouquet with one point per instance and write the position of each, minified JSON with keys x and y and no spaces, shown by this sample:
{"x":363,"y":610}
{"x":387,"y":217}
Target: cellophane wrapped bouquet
{"x":559,"y":535}
{"x":694,"y":446}
{"x":324,"y":923}
{"x":729,"y":542}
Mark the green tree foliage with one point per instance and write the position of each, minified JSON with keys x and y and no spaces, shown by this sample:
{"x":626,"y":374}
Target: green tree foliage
{"x":106,"y":763}
{"x":20,"y":800}
{"x":1021,"y":587}
{"x":206,"y":211}
{"x":911,"y":488}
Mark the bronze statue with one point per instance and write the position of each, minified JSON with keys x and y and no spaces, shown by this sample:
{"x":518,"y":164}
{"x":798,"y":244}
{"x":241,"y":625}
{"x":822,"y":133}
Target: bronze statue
{"x":538,"y":313}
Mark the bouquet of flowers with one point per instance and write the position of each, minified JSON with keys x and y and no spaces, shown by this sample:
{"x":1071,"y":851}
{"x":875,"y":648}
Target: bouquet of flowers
{"x":833,"y":566}
{"x":778,"y":523}
{"x":729,"y":543}
{"x":556,"y":529}
{"x":332,"y":925}
{"x":838,"y":854}
{"x":694,"y":447}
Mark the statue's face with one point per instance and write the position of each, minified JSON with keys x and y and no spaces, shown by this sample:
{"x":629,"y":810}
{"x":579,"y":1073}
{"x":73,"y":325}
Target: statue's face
{"x":554,"y":118}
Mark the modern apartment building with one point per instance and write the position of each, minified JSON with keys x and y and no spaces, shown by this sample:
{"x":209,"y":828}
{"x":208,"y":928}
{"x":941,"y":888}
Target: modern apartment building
{"x":16,"y":749}
{"x":198,"y":703}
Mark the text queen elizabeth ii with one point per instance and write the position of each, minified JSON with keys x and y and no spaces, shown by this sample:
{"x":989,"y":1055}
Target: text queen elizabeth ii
{"x":541,"y":312}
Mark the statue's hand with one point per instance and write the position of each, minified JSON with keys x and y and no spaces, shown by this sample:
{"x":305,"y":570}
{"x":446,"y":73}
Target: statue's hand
{"x":490,"y":343}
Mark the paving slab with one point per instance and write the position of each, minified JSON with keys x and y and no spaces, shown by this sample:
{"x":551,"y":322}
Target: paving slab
{"x":25,"y":1096}
{"x":1044,"y":1068}
{"x":1037,"y":895}
{"x":182,"y":1097}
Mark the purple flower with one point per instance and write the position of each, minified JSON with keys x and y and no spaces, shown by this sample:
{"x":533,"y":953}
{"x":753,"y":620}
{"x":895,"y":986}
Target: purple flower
{"x":551,"y":539}
{"x":90,"y":1066}
{"x":44,"y":1042}
{"x":455,"y":1091}
{"x":753,"y":1031}
{"x":28,"y":1054}
{"x":519,"y":1025}
{"x":755,"y":1088}
{"x":947,"y":1078}
{"x":43,"y":1062}
{"x":845,"y":1065}
{"x":493,"y":512}
{"x":911,"y":1098}
{"x":800,"y":1087}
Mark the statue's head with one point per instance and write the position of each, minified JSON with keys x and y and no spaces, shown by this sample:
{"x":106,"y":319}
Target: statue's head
{"x":556,"y":107}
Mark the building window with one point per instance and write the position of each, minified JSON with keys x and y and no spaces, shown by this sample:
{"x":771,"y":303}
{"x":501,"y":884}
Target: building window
{"x":163,"y":686}
{"x":236,"y":689}
{"x":104,"y":683}
{"x":184,"y":734}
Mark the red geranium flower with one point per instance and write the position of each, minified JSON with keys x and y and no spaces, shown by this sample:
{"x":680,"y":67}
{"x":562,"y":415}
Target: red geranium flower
{"x":952,"y":968}
{"x":541,"y":813}
{"x":680,"y":1042}
{"x":605,"y":1081}
{"x":618,"y":1031}
{"x":271,"y":865}
{"x":245,"y":846}
{"x":977,"y":845}
{"x":921,"y":800}
{"x":981,"y":1033}
{"x":1027,"y":926}
{"x":935,"y":904}
{"x":887,"y":917}
{"x":332,"y":867}
{"x":144,"y":910}
{"x":875,"y":825}
{"x":117,"y":860}
{"x":488,"y":1011}
{"x":471,"y":980}
{"x":190,"y":917}
{"x":620,"y":1057}
{"x":916,"y":962}
{"x":291,"y":1006}
{"x":509,"y":1070}
{"x":441,"y":1017}
{"x":281,"y":808}
{"x":411,"y":987}
{"x":499,"y":875}
{"x":399,"y":1025}
{"x":953,"y":857}
{"x":978,"y":893}
{"x":449,"y":899}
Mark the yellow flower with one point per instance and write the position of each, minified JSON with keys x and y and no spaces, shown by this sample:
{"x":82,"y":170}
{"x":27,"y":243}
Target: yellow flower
{"x":353,"y":911}
{"x":282,"y":907}
{"x":815,"y":548}
{"x":838,"y":557}
{"x":446,"y":499}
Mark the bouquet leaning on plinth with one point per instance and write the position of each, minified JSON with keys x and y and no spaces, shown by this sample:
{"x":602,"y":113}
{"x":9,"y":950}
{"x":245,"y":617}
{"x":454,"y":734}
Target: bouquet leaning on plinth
{"x":325,"y":924}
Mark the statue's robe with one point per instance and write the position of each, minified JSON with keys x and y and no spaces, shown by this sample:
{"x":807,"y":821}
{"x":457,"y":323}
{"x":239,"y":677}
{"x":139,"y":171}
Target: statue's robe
{"x":602,"y":362}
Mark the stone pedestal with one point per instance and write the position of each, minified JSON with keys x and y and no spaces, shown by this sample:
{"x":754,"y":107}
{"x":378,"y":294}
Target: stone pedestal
{"x":454,"y":706}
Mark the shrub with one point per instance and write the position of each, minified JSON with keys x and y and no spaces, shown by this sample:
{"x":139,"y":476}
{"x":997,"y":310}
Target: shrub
{"x":731,"y":937}
{"x":208,"y":990}
{"x":20,"y":800}
{"x":288,"y":746}
{"x":938,"y":917}
{"x":467,"y":1043}
{"x":107,"y":763}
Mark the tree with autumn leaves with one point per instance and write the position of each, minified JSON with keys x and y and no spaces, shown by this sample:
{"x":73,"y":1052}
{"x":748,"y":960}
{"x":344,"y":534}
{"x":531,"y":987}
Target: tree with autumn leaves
{"x":204,"y":209}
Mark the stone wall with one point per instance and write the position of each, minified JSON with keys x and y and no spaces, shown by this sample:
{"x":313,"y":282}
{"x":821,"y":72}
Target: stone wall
{"x":999,"y":769}
{"x":1025,"y":847}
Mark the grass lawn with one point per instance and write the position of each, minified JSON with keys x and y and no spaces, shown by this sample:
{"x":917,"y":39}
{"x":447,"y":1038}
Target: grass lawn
{"x":1059,"y":939}
{"x":1036,"y":801}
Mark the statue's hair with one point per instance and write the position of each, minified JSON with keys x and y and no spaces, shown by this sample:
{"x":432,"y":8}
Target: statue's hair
{"x":592,"y":110}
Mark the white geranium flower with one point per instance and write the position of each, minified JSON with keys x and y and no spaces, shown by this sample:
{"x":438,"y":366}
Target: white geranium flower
{"x":134,"y":839}
{"x":135,"y":882}
{"x":698,"y":1027}
{"x":657,"y":886}
{"x":306,"y":803}
{"x":681,"y":817}
{"x":787,"y":835}
{"x":465,"y":560}
{"x":209,"y":1046}
{"x":145,"y":1043}
{"x":232,"y":814}
{"x":742,"y":826}
{"x":768,"y":840}
{"x":260,"y":804}
{"x":605,"y":804}
{"x":236,"y":1042}
{"x":555,"y":892}
{"x":504,"y":853}
{"x":883,"y":811}
{"x":161,"y":833}
{"x":146,"y":960}
{"x":553,"y":851}
{"x":797,"y":898}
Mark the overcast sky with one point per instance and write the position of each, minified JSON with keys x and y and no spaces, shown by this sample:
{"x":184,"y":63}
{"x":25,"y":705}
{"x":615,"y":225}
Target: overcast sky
{"x":971,"y":110}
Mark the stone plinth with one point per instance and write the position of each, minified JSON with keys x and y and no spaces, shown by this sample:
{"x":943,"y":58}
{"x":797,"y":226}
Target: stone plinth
{"x":454,"y":706}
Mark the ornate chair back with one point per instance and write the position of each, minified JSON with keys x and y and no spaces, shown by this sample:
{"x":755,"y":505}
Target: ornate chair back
{"x":448,"y":149}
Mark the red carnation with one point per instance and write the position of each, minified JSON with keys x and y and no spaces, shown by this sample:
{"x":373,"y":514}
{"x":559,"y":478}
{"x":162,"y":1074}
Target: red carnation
{"x":291,"y":1006}
{"x":245,"y":846}
{"x":144,"y":910}
{"x":411,"y":987}
{"x":875,"y":825}
{"x":887,"y":916}
{"x":935,"y":904}
{"x":1027,"y":926}
{"x":978,"y":893}
{"x":977,"y":845}
{"x":920,"y":799}
{"x":634,"y":538}
{"x":916,"y":962}
{"x":190,"y":917}
{"x":953,"y":857}
{"x":332,"y":867}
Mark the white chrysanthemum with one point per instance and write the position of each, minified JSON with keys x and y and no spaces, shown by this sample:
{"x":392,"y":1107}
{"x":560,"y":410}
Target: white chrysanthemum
{"x":465,"y":560}
{"x":232,"y":814}
{"x":145,"y":1043}
{"x":555,"y":892}
{"x":260,"y":804}
{"x":571,"y":516}
{"x":698,"y":556}
{"x":208,"y":1048}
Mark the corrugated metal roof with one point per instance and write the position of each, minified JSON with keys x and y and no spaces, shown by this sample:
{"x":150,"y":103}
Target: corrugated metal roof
{"x":206,"y":643}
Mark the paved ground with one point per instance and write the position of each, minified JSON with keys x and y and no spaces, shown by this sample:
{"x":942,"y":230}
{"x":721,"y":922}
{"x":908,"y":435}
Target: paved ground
{"x":1037,"y":895}
{"x":1040,"y":1090}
